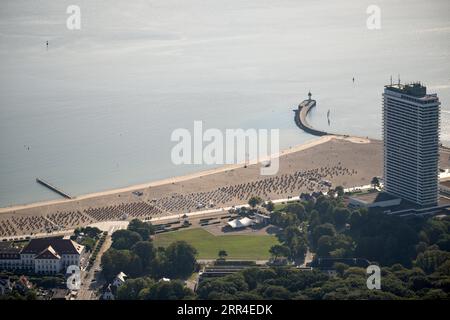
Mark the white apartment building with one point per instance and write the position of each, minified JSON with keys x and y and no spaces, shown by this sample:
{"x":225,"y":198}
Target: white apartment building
{"x":411,"y":143}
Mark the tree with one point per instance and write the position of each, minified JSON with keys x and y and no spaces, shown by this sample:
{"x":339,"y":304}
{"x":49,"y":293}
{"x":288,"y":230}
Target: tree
{"x":222,"y":287}
{"x":270,"y":206}
{"x":444,"y":268}
{"x":421,"y":247}
{"x":180,"y":259}
{"x":222,"y":254}
{"x":341,"y":216}
{"x":279,"y":251}
{"x":444,"y":242}
{"x":340,"y":191}
{"x":91,"y":232}
{"x":88,"y":243}
{"x":276,"y":293}
{"x":298,"y":209}
{"x":114,"y":261}
{"x":48,"y":282}
{"x":326,"y":229}
{"x":325,"y":206}
{"x":431,"y":260}
{"x":435,"y":230}
{"x":296,"y":241}
{"x":145,"y":251}
{"x":298,"y":248}
{"x":254,"y":201}
{"x":145,"y":229}
{"x":132,"y":288}
{"x":283,"y":219}
{"x":125,"y":239}
{"x":325,"y":245}
{"x":340,"y":268}
{"x":358,"y":218}
{"x":172,"y":290}
{"x":159,"y":265}
{"x":435,"y":294}
{"x":375,"y":182}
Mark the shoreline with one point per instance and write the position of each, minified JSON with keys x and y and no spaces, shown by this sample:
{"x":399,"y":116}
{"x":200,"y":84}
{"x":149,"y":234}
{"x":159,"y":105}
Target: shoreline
{"x":300,"y":147}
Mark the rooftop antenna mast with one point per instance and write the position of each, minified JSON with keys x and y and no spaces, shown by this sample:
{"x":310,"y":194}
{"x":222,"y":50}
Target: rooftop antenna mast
{"x":399,"y":79}
{"x":391,"y":81}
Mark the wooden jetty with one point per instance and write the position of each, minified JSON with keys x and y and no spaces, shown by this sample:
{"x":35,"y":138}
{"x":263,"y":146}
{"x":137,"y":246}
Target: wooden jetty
{"x":53,"y":188}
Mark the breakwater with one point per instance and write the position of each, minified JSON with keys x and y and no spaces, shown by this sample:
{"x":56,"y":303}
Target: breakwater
{"x":300,"y":118}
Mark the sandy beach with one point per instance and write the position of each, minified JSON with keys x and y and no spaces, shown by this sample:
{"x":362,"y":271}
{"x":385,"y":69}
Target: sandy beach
{"x":177,"y":179}
{"x":346,"y":161}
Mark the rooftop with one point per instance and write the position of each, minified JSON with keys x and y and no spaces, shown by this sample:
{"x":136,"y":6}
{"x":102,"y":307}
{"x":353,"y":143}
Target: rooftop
{"x":373,"y":197}
{"x":414,"y":89}
{"x":60,"y":245}
{"x":7,"y":250}
{"x":240,"y":223}
{"x":121,"y":276}
{"x":48,"y":253}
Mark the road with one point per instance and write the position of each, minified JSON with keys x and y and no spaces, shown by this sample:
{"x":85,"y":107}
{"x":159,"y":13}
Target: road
{"x":89,"y":288}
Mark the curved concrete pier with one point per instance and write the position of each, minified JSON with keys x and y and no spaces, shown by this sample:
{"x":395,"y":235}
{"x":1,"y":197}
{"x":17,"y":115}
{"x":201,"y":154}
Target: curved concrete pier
{"x":300,"y":118}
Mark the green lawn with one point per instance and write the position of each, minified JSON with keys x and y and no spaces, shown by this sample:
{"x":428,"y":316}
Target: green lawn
{"x":245,"y":247}
{"x":282,"y":205}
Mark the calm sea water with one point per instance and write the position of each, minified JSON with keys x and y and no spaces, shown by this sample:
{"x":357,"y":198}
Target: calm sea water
{"x":96,"y":110}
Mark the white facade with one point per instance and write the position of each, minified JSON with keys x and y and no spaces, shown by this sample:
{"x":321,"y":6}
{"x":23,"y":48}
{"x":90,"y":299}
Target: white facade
{"x":10,"y":263}
{"x":47,"y":265}
{"x":411,"y":143}
{"x":48,"y":256}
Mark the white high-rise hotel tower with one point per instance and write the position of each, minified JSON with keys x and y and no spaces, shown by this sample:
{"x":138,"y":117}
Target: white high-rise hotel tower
{"x":411,"y":143}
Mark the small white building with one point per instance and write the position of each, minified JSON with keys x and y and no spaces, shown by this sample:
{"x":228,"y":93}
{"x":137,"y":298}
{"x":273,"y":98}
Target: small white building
{"x":119,"y":280}
{"x":111,"y":289}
